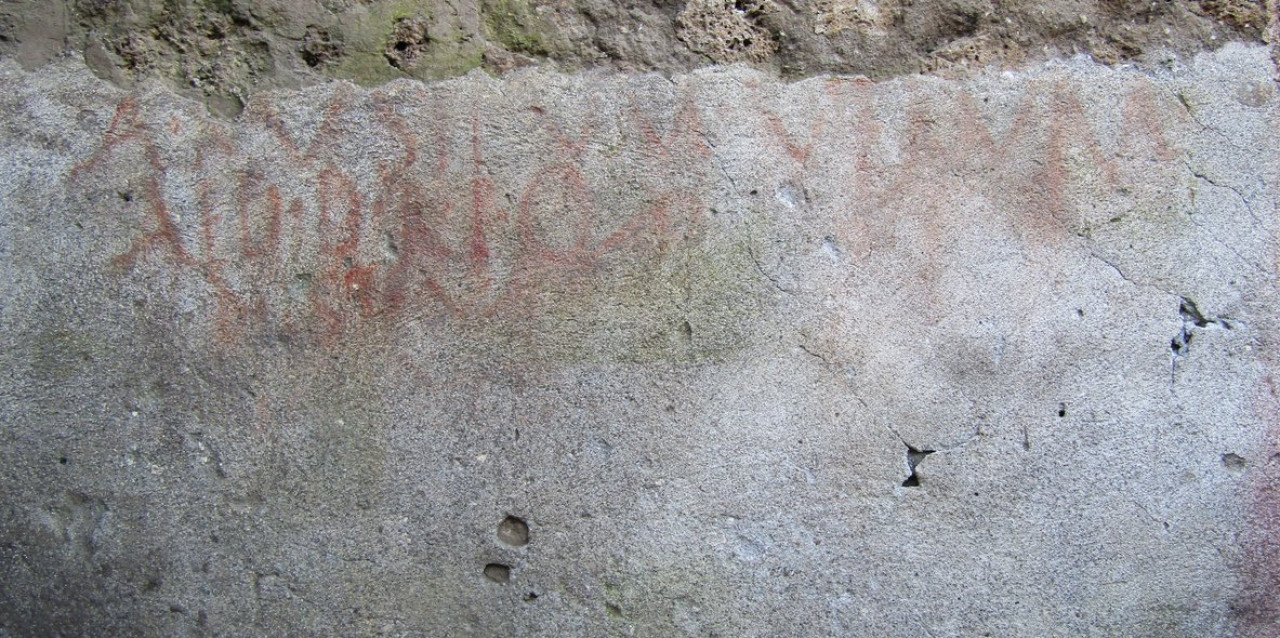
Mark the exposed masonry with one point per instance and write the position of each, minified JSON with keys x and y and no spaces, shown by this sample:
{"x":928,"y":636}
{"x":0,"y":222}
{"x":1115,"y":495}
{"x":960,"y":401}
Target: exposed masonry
{"x":224,"y":52}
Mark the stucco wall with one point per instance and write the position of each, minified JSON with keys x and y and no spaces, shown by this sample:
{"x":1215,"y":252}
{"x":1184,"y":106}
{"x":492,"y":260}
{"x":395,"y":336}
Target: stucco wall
{"x":620,"y":354}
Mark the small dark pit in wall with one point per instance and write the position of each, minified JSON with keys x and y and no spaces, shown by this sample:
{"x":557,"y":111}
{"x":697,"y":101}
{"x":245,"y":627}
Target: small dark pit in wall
{"x":513,"y":531}
{"x":497,"y":572}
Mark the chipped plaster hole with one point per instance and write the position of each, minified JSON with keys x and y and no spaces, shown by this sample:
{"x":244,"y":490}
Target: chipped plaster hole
{"x":789,"y":195}
{"x":513,"y":531}
{"x":389,"y":247}
{"x":300,"y":287}
{"x":613,"y":611}
{"x":831,"y":249}
{"x":686,"y":333}
{"x":1062,"y":410}
{"x":1192,"y":319}
{"x":531,"y":596}
{"x":1191,"y":313}
{"x":914,"y":458}
{"x":1234,"y":462}
{"x":497,"y":572}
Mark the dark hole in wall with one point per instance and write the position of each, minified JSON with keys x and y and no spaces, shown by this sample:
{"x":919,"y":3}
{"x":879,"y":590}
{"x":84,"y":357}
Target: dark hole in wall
{"x":513,"y":531}
{"x":914,"y":458}
{"x":1234,"y":462}
{"x":497,"y":572}
{"x":1191,"y":313}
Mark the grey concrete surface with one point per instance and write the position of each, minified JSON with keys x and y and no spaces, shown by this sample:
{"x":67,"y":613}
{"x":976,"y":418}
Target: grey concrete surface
{"x":604,"y":354}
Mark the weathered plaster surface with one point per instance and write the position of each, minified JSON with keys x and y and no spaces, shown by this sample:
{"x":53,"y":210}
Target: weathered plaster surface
{"x":914,"y":357}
